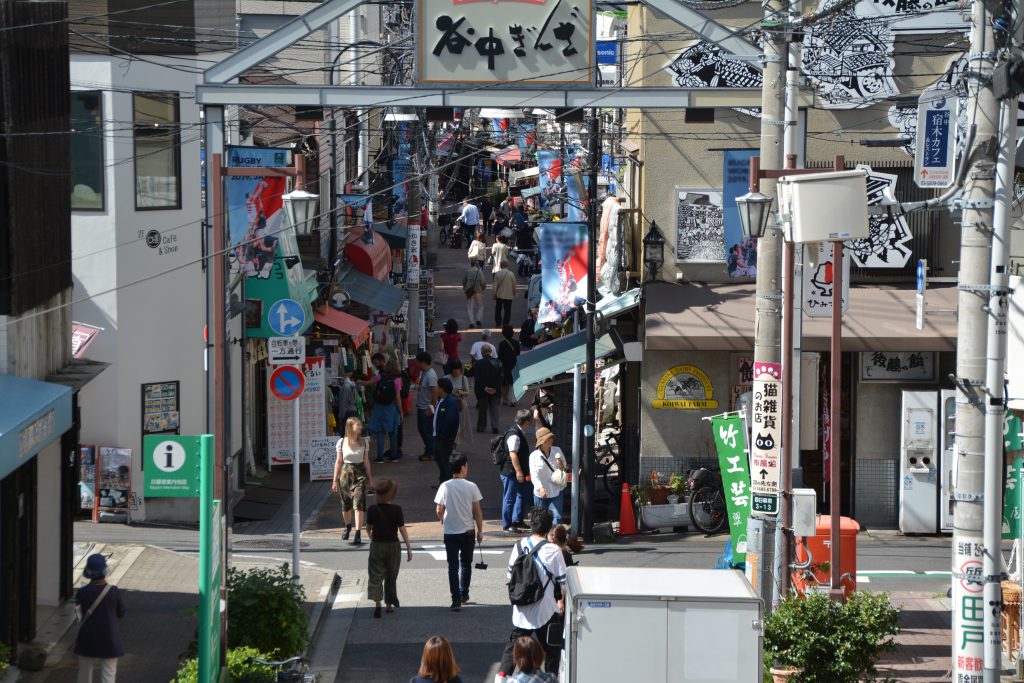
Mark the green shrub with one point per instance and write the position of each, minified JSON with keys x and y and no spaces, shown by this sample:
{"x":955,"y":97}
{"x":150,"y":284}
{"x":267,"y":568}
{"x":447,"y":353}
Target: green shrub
{"x":265,"y":611}
{"x":5,"y":658}
{"x":831,"y":641}
{"x":240,"y":669}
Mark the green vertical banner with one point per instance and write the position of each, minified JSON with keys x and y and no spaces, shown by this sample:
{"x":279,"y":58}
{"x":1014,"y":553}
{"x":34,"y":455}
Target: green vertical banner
{"x":210,"y":538}
{"x":1013,"y":433}
{"x":731,"y":442}
{"x":1012,"y":500}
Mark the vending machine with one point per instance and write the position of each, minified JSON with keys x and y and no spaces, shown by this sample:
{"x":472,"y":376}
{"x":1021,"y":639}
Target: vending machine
{"x":919,"y":463}
{"x":947,"y":475}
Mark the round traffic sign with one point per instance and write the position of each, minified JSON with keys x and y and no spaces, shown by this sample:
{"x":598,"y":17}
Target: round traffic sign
{"x":287,"y":383}
{"x":169,"y":456}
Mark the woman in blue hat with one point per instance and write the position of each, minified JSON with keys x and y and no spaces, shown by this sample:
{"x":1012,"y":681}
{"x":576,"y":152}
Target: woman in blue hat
{"x":98,"y":606}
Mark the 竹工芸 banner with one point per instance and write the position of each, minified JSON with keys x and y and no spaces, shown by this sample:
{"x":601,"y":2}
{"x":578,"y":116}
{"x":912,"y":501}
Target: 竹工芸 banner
{"x":255,"y":218}
{"x":563,"y":252}
{"x":730,"y":436}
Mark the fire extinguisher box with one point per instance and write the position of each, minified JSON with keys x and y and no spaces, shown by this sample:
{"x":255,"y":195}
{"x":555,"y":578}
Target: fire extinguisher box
{"x":818,"y":575}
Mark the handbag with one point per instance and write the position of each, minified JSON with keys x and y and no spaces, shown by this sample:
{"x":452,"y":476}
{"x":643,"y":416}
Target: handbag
{"x":559,"y":477}
{"x":79,"y":617}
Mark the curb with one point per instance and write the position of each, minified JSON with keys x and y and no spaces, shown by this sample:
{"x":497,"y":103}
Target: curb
{"x":321,"y":610}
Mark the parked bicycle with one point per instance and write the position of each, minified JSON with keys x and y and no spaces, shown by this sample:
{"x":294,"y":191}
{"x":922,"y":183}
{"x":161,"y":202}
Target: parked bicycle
{"x":707,"y":500}
{"x":293,"y":674}
{"x":606,"y":453}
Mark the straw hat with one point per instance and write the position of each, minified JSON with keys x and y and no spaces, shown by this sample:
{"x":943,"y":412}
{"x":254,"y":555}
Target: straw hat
{"x":386,"y":490}
{"x":544,"y":434}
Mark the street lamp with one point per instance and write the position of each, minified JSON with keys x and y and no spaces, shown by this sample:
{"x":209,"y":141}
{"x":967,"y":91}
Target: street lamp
{"x":654,"y":250}
{"x":300,"y":208}
{"x":754,"y":209}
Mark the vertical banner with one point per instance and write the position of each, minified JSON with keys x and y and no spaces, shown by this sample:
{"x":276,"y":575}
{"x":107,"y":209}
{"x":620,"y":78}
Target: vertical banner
{"x":563,"y":252}
{"x":312,"y":415}
{"x":551,"y":182}
{"x":576,"y":198}
{"x":818,"y":282}
{"x":740,"y":253}
{"x":766,"y":438}
{"x":730,"y":440}
{"x":400,"y":172}
{"x":412,"y":273}
{"x":1012,"y":500}
{"x":254,"y":208}
{"x":968,"y":611}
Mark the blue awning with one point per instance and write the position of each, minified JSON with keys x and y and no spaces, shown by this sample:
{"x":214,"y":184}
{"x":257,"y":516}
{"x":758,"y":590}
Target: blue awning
{"x":611,"y":306}
{"x":554,"y":358}
{"x":372,"y":293}
{"x":33,"y":415}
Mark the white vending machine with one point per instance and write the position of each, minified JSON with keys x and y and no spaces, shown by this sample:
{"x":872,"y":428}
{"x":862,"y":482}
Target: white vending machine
{"x":919,"y":463}
{"x":947,"y":475}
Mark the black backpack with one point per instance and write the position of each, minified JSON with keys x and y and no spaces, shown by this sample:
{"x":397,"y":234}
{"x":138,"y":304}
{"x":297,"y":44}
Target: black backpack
{"x":499,"y":447}
{"x":385,"y":394}
{"x":526,"y":585}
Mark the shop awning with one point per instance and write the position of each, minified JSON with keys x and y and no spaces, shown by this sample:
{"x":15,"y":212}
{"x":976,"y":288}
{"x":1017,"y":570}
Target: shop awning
{"x":611,"y":306}
{"x":374,"y":294}
{"x":33,"y":415}
{"x":371,"y":258}
{"x":554,"y":358}
{"x":509,"y":156}
{"x":721,"y":318}
{"x":343,"y":322}
{"x":394,"y":234}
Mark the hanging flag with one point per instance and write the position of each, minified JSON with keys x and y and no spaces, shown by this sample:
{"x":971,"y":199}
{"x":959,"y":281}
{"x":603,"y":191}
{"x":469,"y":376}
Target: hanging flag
{"x":730,"y":437}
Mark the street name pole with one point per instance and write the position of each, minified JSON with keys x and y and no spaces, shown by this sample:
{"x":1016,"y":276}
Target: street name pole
{"x":968,"y":604}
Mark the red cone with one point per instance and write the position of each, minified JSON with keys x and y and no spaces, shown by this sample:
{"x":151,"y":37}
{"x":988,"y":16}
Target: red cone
{"x":627,"y":521}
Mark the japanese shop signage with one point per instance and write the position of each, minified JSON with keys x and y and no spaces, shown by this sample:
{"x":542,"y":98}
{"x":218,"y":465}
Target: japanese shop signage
{"x":766,"y":438}
{"x":818,"y":282}
{"x":968,"y":610}
{"x":731,"y":442}
{"x":526,"y":42}
{"x":935,"y":150}
{"x":1012,"y":500}
{"x":902,"y":366}
{"x":685,"y":387}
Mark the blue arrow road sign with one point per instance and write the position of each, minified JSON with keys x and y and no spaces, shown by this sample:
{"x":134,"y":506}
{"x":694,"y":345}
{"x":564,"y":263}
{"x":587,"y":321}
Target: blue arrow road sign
{"x":286,"y":317}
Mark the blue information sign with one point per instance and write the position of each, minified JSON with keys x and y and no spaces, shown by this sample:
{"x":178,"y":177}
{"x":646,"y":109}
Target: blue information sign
{"x":607,"y":52}
{"x":286,"y":318}
{"x":934,"y":155}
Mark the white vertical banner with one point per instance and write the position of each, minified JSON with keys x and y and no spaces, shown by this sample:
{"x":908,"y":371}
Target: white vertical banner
{"x":968,"y":611}
{"x":412,"y":250}
{"x":766,"y":439}
{"x":312,"y":415}
{"x":818,"y":282}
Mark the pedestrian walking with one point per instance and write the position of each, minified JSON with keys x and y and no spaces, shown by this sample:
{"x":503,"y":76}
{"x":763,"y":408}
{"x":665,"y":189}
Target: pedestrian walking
{"x":473,"y":286}
{"x":545,"y":461}
{"x":470,"y":219}
{"x":528,"y":657}
{"x":508,"y":355}
{"x":486,"y":209}
{"x":504,"y":291}
{"x":512,"y":470}
{"x":384,"y":523}
{"x":446,"y":428}
{"x":386,"y":418}
{"x":450,"y":339}
{"x":351,"y":477}
{"x":533,"y":619}
{"x":499,"y":252}
{"x":458,"y":509}
{"x":487,"y":387}
{"x":426,"y":399}
{"x":98,"y":606}
{"x":477,"y":252}
{"x":476,"y":350}
{"x":438,"y":663}
{"x":460,"y":385}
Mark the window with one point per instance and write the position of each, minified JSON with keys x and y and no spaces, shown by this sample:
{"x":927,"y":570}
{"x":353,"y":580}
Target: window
{"x":86,"y":151}
{"x":157,"y":156}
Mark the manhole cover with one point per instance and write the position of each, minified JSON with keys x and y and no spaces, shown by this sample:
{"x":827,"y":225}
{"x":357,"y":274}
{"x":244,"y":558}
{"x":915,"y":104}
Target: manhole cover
{"x":267,"y":544}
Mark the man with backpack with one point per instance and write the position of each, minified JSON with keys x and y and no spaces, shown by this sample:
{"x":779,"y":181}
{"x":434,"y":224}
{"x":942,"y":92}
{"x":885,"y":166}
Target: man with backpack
{"x":510,"y":454}
{"x":536,"y":578}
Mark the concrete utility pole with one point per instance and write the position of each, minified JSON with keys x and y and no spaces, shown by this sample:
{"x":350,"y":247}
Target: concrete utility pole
{"x":590,"y":381}
{"x":768,"y":320}
{"x":971,"y":609}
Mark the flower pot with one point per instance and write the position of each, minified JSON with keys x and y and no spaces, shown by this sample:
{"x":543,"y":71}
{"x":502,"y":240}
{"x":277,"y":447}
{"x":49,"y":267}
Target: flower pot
{"x":783,"y":674}
{"x":659,"y":495}
{"x":665,"y":516}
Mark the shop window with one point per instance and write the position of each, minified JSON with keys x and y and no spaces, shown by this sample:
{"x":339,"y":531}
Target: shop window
{"x":87,"y":169}
{"x":157,"y":153}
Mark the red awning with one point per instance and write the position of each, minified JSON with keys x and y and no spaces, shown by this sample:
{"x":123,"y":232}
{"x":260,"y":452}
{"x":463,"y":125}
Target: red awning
{"x":509,"y":156}
{"x":81,"y":336}
{"x":343,"y":322}
{"x":370,"y":259}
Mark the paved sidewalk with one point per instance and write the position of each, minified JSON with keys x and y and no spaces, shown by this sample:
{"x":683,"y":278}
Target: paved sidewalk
{"x":160,"y":590}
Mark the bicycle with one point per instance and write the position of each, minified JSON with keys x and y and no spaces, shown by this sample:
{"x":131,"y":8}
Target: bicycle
{"x":606,"y":453}
{"x":296,"y":674}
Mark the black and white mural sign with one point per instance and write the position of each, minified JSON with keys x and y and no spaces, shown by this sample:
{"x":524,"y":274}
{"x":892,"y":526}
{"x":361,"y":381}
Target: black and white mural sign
{"x":700,"y":230}
{"x":889,"y":236}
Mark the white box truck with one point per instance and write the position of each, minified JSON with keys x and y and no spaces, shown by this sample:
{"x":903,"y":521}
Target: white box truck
{"x":653,"y":625}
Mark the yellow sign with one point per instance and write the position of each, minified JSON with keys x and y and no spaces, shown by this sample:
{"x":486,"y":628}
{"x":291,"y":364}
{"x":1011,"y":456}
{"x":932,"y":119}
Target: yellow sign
{"x":685,"y":387}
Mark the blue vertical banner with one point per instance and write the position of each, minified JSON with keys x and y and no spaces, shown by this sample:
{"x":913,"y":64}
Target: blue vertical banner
{"x":254,"y":209}
{"x":400,"y":171}
{"x":740,"y":253}
{"x":564,"y":251}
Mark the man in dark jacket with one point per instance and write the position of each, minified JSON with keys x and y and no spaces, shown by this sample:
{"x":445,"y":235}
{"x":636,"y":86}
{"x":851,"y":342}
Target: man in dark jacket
{"x":446,"y":428}
{"x":487,"y":387}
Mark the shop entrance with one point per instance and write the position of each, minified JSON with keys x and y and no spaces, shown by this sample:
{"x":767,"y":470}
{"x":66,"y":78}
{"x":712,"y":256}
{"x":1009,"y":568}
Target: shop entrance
{"x":18,"y":523}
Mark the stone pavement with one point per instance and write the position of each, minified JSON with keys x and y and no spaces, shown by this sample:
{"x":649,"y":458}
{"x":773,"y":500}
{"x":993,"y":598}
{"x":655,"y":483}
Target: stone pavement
{"x":160,"y":591}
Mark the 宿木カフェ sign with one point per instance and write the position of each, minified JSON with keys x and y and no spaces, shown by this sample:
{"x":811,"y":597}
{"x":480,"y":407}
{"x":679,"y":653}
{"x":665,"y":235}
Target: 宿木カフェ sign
{"x":525,"y":42}
{"x":685,"y":387}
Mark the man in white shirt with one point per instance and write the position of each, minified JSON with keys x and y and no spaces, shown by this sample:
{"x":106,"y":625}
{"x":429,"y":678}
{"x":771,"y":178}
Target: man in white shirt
{"x":534,"y":619}
{"x":475,"y":351}
{"x":458,"y":509}
{"x":470,"y":217}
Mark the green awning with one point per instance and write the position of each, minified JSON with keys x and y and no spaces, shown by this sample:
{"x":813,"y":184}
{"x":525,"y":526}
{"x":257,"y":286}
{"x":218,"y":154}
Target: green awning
{"x":395,"y":235}
{"x":372,"y":293}
{"x":554,"y":358}
{"x":609,"y":307}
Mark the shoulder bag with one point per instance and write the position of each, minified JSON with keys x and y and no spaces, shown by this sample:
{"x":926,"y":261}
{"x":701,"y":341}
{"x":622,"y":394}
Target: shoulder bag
{"x":79,"y":617}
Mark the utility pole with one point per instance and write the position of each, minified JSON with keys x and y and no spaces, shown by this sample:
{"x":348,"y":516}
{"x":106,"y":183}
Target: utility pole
{"x":768,"y":306}
{"x":594,"y":160}
{"x":976,"y":565}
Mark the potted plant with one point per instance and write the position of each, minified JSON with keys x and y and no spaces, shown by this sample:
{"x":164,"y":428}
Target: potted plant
{"x":677,"y":484}
{"x":817,"y":639}
{"x":656,"y":511}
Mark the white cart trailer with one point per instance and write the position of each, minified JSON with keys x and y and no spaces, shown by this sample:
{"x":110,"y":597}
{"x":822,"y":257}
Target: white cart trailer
{"x":654,"y":625}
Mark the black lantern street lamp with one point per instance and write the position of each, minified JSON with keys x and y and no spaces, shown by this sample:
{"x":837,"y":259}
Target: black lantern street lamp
{"x":300,"y":210}
{"x":654,"y":251}
{"x":754,"y":209}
